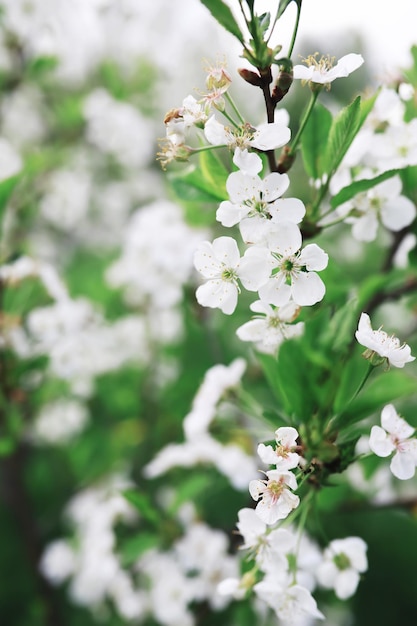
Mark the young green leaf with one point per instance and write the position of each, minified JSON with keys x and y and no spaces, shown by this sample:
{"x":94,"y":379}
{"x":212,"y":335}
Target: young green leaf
{"x":221,"y":12}
{"x":314,"y":140}
{"x":359,"y":186}
{"x":284,"y":4}
{"x":342,"y":132}
{"x":193,"y":186}
{"x":214,"y":173}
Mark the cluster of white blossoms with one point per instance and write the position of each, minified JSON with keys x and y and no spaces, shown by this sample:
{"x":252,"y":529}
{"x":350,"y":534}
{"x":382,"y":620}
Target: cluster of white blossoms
{"x":274,"y":495}
{"x":90,"y":560}
{"x":288,"y":566}
{"x":274,"y":262}
{"x":161,"y":584}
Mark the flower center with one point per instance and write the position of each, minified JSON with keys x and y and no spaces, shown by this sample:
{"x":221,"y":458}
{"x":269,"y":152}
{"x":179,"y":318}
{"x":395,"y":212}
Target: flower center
{"x":242,"y":135}
{"x":341,"y":561}
{"x":229,"y":275}
{"x":322,"y":65}
{"x":275,"y":488}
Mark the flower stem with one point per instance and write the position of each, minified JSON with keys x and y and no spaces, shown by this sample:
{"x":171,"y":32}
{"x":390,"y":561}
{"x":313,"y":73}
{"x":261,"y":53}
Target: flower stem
{"x":294,"y":35}
{"x":210,"y":147}
{"x":303,"y":123}
{"x":234,"y":107}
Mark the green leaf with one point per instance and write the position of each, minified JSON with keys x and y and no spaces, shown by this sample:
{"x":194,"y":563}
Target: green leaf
{"x":314,"y":141}
{"x":289,"y":376}
{"x":193,"y":186}
{"x":189,"y":489}
{"x":143,"y":504}
{"x":359,"y":186}
{"x":367,"y":106}
{"x":132,"y":548}
{"x":284,"y":4}
{"x":386,"y":388}
{"x":353,"y":374}
{"x":342,"y":132}
{"x":214,"y":173}
{"x":341,"y":327}
{"x":6,"y":189}
{"x":221,"y":12}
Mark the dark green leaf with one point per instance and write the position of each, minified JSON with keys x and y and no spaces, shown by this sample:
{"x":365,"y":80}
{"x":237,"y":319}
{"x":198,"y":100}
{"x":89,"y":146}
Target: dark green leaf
{"x":314,"y":141}
{"x":359,"y":186}
{"x":386,"y":388}
{"x":143,"y":504}
{"x":289,"y":377}
{"x":353,"y":374}
{"x":132,"y":548}
{"x":221,"y":12}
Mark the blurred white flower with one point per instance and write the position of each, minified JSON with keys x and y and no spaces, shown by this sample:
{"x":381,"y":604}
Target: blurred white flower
{"x":394,"y":436}
{"x":343,"y":562}
{"x":60,"y":421}
{"x":271,"y":326}
{"x":384,"y":203}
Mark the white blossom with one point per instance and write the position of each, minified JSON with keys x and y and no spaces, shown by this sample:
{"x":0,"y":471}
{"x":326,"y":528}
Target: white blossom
{"x":384,"y":203}
{"x":284,"y":455}
{"x":324,"y":72}
{"x":220,"y":263}
{"x":263,"y":137}
{"x":379,"y":342}
{"x":291,"y":602}
{"x":395,"y":436}
{"x":269,"y":547}
{"x":256,"y":204}
{"x":295,"y":269}
{"x":343,"y":562}
{"x":271,"y":326}
{"x":275,"y":500}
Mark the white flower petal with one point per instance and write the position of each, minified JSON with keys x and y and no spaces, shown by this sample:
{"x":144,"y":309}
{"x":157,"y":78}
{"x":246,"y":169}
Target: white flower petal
{"x":397,"y":213}
{"x":380,"y":443}
{"x":248,"y":162}
{"x":218,"y":294}
{"x":270,"y":136}
{"x":307,"y":288}
{"x":403,"y":465}
{"x":226,"y":251}
{"x":274,"y":186}
{"x":346,"y":583}
{"x":393,"y":423}
{"x":314,"y":258}
{"x":287,"y":210}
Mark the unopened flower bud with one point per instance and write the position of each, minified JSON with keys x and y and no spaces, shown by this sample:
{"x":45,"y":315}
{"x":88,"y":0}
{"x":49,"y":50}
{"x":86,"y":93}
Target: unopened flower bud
{"x":252,"y":78}
{"x":282,"y":85}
